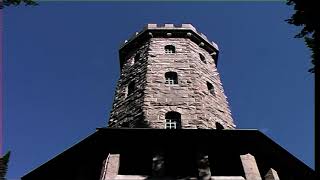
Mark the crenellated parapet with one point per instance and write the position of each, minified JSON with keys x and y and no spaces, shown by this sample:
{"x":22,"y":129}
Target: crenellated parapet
{"x":168,"y":31}
{"x":170,"y":27}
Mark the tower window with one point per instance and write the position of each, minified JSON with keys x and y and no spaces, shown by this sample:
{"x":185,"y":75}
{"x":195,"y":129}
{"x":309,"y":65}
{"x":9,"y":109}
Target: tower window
{"x":135,"y":59}
{"x":169,"y":49}
{"x":131,"y":88}
{"x":173,"y":120}
{"x":171,"y":78}
{"x":210,"y":88}
{"x":219,"y":126}
{"x":202,"y":58}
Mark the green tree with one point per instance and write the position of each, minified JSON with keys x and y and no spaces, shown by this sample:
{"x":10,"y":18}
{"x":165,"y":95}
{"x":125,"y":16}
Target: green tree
{"x":4,"y":165}
{"x":307,"y":15}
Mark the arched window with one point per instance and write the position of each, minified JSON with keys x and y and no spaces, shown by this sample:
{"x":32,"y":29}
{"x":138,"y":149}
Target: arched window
{"x":202,"y":58}
{"x":173,"y":120}
{"x":171,"y":78}
{"x":131,"y":88}
{"x":210,"y":88}
{"x":219,"y":126}
{"x":169,"y":49}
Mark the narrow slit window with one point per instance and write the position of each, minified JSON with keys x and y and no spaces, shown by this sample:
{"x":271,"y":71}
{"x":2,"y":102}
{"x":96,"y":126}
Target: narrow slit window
{"x":202,"y":58}
{"x":210,"y":88}
{"x":135,"y":59}
{"x":173,"y":120}
{"x":169,"y":49}
{"x":171,"y":78}
{"x":219,"y":126}
{"x":131,"y":88}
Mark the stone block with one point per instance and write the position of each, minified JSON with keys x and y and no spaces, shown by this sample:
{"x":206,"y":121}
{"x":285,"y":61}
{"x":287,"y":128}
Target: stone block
{"x":271,"y":175}
{"x":110,"y":167}
{"x":151,"y":26}
{"x":168,"y":25}
{"x":250,"y":167}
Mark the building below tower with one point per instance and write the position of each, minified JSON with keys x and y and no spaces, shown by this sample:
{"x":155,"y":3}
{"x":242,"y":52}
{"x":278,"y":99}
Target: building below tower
{"x":114,"y":153}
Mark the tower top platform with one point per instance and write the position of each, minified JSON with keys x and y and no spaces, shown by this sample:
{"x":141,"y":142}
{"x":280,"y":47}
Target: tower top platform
{"x":170,"y":31}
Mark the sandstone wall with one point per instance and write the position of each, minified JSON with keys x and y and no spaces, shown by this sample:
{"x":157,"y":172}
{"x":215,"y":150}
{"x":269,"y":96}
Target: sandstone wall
{"x":152,"y":98}
{"x":190,"y":97}
{"x":127,"y":109}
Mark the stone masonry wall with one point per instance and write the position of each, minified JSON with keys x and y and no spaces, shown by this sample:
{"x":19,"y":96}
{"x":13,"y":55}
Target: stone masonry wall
{"x":190,"y":97}
{"x":127,"y":109}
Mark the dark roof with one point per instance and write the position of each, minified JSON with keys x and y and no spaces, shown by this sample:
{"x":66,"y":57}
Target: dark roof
{"x":93,"y":150}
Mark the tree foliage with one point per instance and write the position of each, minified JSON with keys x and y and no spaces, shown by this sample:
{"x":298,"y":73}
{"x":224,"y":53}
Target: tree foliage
{"x":307,"y":15}
{"x":4,"y":165}
{"x":16,"y":3}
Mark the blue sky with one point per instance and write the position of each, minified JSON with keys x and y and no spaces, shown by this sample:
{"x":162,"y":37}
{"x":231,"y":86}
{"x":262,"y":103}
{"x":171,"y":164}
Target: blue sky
{"x":61,"y":68}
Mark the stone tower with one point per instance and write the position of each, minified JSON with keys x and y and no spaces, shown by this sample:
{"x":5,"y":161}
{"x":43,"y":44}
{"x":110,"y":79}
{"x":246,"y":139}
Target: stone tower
{"x":169,"y":79}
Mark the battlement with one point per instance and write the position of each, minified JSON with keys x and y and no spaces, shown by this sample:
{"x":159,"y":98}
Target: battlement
{"x":170,"y":28}
{"x":176,"y":27}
